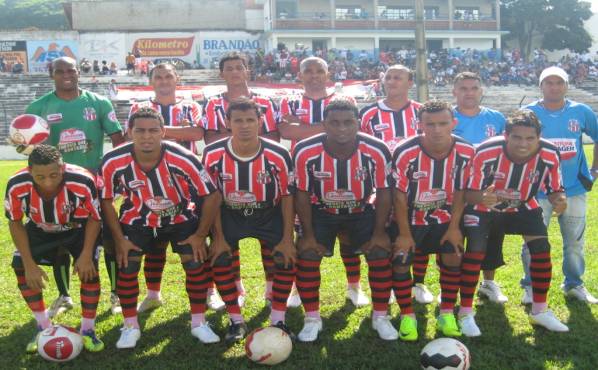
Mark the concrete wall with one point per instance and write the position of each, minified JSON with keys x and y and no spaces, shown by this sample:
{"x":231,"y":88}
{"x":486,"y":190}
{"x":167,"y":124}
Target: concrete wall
{"x":355,"y":44}
{"x":158,"y":15}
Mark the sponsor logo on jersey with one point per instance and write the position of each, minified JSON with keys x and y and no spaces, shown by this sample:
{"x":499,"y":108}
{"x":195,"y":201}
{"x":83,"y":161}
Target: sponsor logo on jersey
{"x":163,"y":207}
{"x":56,"y":228}
{"x":89,"y":114}
{"x":499,"y":176}
{"x":471,"y":220}
{"x":226,"y":177}
{"x":100,"y":182}
{"x":136,"y":184}
{"x":263,"y":177}
{"x":490,"y":130}
{"x":301,"y":112}
{"x":573,"y":125}
{"x":112,"y":116}
{"x":361,"y":174}
{"x":508,"y":194}
{"x":322,"y":174}
{"x":567,"y":147}
{"x":381,"y":127}
{"x":71,"y":135}
{"x":54,"y":117}
{"x":241,"y":197}
{"x":339,"y":195}
{"x":433,"y":195}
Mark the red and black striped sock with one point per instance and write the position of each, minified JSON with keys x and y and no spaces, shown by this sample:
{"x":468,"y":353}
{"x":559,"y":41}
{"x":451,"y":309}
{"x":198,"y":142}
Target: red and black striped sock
{"x":420,"y":266}
{"x":225,"y":282}
{"x":33,"y":297}
{"x":281,"y":288}
{"x":153,"y":267}
{"x":541,"y":274}
{"x":380,"y":279}
{"x":352,"y":264}
{"x":90,"y":296}
{"x":127,"y":288}
{"x":308,"y":283}
{"x":449,"y":287}
{"x":236,"y":265}
{"x":196,"y":284}
{"x":267,"y":261}
{"x":470,"y":275}
{"x":402,"y":283}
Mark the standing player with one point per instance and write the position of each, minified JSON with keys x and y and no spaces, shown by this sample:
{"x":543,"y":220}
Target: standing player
{"x":431,"y":171}
{"x":60,"y":203}
{"x":234,"y":70}
{"x":253,"y":175}
{"x":78,"y":121}
{"x":563,"y":123}
{"x":160,"y":179}
{"x":182,"y":123}
{"x":336,"y":173}
{"x":507,"y":173}
{"x":392,"y":120}
{"x":476,"y":123}
{"x":302,"y":118}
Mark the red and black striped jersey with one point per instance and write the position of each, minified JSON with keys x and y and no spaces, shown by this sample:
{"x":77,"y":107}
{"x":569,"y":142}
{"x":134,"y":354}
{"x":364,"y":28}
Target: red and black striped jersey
{"x":515,"y":184}
{"x":430,"y":183}
{"x":165,"y":194}
{"x":257,"y":182}
{"x":342,"y":186}
{"x":214,"y":117}
{"x":308,"y":110}
{"x":75,"y":202}
{"x":389,"y":125}
{"x":174,"y":115}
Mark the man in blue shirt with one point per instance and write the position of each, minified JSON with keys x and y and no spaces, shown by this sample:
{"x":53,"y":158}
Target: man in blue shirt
{"x":563,"y":122}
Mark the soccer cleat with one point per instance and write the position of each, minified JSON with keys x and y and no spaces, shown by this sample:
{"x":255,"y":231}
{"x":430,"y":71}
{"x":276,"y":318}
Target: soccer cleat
{"x":294,"y":299}
{"x":115,"y":304}
{"x":205,"y":334}
{"x":91,"y":342}
{"x":32,"y":345}
{"x":312,"y":326}
{"x":469,"y":328}
{"x":422,"y":294}
{"x":214,"y":300}
{"x":357,"y":296}
{"x":61,"y":304}
{"x":447,"y":324}
{"x":528,"y":295}
{"x":283,"y":326}
{"x":384,"y":328}
{"x":408,"y":329}
{"x":491,"y":290}
{"x":392,"y":299}
{"x":128,"y":337}
{"x":581,"y":293}
{"x":236,"y":332}
{"x":149,"y":304}
{"x":549,"y":321}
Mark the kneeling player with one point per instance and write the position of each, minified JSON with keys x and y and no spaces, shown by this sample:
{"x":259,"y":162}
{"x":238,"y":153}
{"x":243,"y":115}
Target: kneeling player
{"x":253,"y":175}
{"x":431,"y":169}
{"x":507,"y":173}
{"x":61,"y":204}
{"x":336,"y":173}
{"x":160,"y":179}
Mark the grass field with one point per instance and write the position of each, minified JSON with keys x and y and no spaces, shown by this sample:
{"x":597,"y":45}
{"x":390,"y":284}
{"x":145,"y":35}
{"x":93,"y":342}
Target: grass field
{"x":348,"y":341}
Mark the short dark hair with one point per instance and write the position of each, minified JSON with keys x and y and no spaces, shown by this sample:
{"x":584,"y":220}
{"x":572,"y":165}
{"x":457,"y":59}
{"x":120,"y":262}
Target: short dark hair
{"x":242,"y":103}
{"x":466,"y":76}
{"x":163,"y":65}
{"x":434,"y":106}
{"x":44,"y":154}
{"x":341,"y":104}
{"x":145,"y":113}
{"x":525,"y":118}
{"x":233,"y":55}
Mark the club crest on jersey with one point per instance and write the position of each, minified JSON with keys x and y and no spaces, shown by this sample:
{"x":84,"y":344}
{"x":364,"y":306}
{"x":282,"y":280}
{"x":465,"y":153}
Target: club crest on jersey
{"x":573,"y":125}
{"x":205,"y":177}
{"x":68,"y":207}
{"x":361,"y":173}
{"x":534,"y":176}
{"x":263,"y":177}
{"x":413,"y":123}
{"x":89,"y":114}
{"x":490,"y":130}
{"x":136,"y":184}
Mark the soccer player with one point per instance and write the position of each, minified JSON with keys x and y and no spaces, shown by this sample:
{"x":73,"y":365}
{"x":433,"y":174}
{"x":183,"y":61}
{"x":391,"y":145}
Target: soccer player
{"x":160,"y":179}
{"x":430,"y":170}
{"x":253,"y":175}
{"x":564,"y":122}
{"x":336,"y":172}
{"x":302,"y":117}
{"x":234,"y":70}
{"x":60,"y":203}
{"x":507,"y":172}
{"x":78,"y":121}
{"x":392,"y":120}
{"x":476,"y":123}
{"x":182,"y":123}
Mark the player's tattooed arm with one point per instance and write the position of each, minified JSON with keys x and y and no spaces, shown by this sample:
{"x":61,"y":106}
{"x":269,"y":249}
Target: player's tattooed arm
{"x":405,"y":242}
{"x":380,"y":238}
{"x":84,"y":265}
{"x":34,"y":275}
{"x":286,"y":247}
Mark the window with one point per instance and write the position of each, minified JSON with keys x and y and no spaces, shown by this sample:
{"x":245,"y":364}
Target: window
{"x":467,"y":14}
{"x":395,"y":12}
{"x":431,"y":12}
{"x":348,"y":12}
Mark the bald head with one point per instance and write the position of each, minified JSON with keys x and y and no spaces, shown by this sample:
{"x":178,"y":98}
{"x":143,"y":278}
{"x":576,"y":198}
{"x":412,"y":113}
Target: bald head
{"x":312,"y":60}
{"x":62,"y":61}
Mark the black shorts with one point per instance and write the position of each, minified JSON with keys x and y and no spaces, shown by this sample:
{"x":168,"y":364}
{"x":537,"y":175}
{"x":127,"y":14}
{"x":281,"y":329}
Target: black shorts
{"x":427,"y":239}
{"x":354,"y":229}
{"x":263,"y":224}
{"x":478,"y":226}
{"x":45,"y":246}
{"x":494,"y":257}
{"x":130,"y":66}
{"x":151,"y":239}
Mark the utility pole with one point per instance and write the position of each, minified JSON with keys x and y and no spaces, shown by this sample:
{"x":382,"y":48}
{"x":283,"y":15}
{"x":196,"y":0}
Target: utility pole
{"x":421,"y":66}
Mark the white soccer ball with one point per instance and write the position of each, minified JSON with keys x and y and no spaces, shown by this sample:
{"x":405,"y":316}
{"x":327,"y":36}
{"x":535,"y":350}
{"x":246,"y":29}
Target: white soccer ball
{"x":268,"y":346}
{"x":59,"y":343}
{"x":28,"y":129}
{"x":445,"y":353}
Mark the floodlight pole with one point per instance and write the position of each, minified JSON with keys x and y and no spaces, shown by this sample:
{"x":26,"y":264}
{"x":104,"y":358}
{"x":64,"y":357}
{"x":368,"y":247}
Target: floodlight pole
{"x":421,"y":67}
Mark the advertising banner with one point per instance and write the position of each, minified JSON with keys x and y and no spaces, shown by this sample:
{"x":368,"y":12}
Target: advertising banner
{"x":174,"y":46}
{"x":108,"y":46}
{"x":214,"y":44}
{"x":12,"y":52}
{"x":40,"y":53}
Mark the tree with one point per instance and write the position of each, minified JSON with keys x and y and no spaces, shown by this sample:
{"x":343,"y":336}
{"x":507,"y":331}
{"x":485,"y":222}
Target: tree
{"x":559,"y":24}
{"x":42,"y":14}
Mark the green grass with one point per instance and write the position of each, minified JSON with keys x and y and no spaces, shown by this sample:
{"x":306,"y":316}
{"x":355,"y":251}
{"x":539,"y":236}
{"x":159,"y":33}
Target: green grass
{"x":348,"y":342}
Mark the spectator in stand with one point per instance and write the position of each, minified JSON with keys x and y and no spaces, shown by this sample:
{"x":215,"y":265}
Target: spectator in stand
{"x":130,"y":62}
{"x":96,"y":67}
{"x":113,"y":68}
